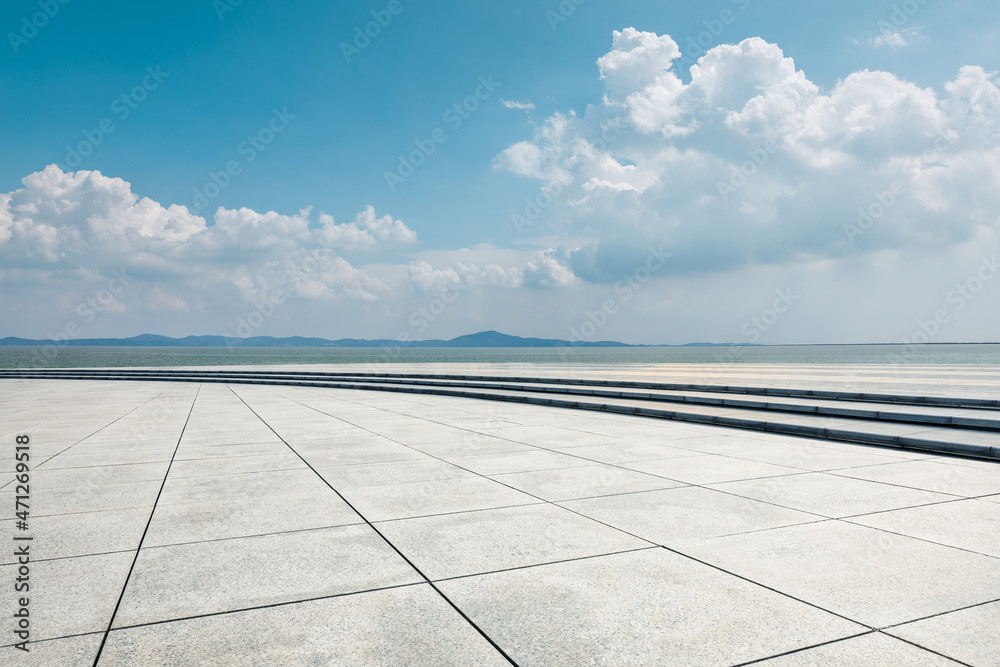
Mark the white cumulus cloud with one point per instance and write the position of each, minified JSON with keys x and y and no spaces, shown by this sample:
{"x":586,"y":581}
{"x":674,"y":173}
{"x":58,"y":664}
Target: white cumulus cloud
{"x":894,"y":39}
{"x":751,"y":162}
{"x":69,"y":236}
{"x":61,"y":222}
{"x":526,"y":105}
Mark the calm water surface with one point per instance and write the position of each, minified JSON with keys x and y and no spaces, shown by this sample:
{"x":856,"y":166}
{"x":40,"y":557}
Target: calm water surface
{"x":77,"y":357}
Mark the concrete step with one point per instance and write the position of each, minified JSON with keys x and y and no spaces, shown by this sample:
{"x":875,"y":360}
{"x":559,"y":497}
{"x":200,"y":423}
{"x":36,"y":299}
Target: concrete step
{"x":850,"y":425}
{"x":921,"y":414}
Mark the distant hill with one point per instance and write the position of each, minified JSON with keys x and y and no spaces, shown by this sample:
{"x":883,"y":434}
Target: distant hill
{"x":497,"y":339}
{"x":481,"y":339}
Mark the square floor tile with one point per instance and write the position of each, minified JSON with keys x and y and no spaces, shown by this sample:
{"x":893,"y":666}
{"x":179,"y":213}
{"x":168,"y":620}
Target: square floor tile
{"x":472,"y":446}
{"x":807,"y":454}
{"x":455,"y":545}
{"x":970,"y":635}
{"x":70,"y":652}
{"x":324,"y":454}
{"x":870,"y":576}
{"x":300,"y":482}
{"x":81,"y":533}
{"x":497,"y":464}
{"x":830,"y":495}
{"x":207,"y":577}
{"x":627,"y":452}
{"x":678,"y":515}
{"x":411,"y":625}
{"x":235,"y":465}
{"x":583,"y":482}
{"x":966,"y":524}
{"x":549,"y":437}
{"x":710,"y":469}
{"x":391,"y":472}
{"x":50,"y":502}
{"x":650,"y":607}
{"x":417,"y":434}
{"x":71,"y":478}
{"x":71,"y":596}
{"x":90,"y":446}
{"x":874,"y":648}
{"x":70,"y":459}
{"x":413,"y":499}
{"x":281,"y":510}
{"x":937,"y":476}
{"x":188,"y":451}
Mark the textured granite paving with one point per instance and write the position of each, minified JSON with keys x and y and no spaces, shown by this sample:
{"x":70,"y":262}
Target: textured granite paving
{"x":187,"y":524}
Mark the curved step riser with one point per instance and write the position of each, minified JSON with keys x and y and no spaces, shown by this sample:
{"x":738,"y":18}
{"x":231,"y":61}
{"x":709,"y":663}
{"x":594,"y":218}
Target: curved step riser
{"x":943,"y":421}
{"x":903,"y":442}
{"x":860,"y":397}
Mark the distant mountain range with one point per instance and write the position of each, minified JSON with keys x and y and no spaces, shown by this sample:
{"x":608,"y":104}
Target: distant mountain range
{"x":481,"y":339}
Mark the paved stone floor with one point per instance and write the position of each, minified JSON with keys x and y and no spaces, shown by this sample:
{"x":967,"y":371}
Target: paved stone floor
{"x":186,"y":524}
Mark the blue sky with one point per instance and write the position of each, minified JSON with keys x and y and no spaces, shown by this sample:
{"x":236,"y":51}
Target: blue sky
{"x":224,"y":69}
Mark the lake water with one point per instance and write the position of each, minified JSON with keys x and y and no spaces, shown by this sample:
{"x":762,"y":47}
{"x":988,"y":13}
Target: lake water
{"x":80,"y":357}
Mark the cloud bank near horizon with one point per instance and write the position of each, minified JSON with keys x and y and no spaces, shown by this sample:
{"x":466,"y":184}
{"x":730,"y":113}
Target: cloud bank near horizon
{"x":747,"y":173}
